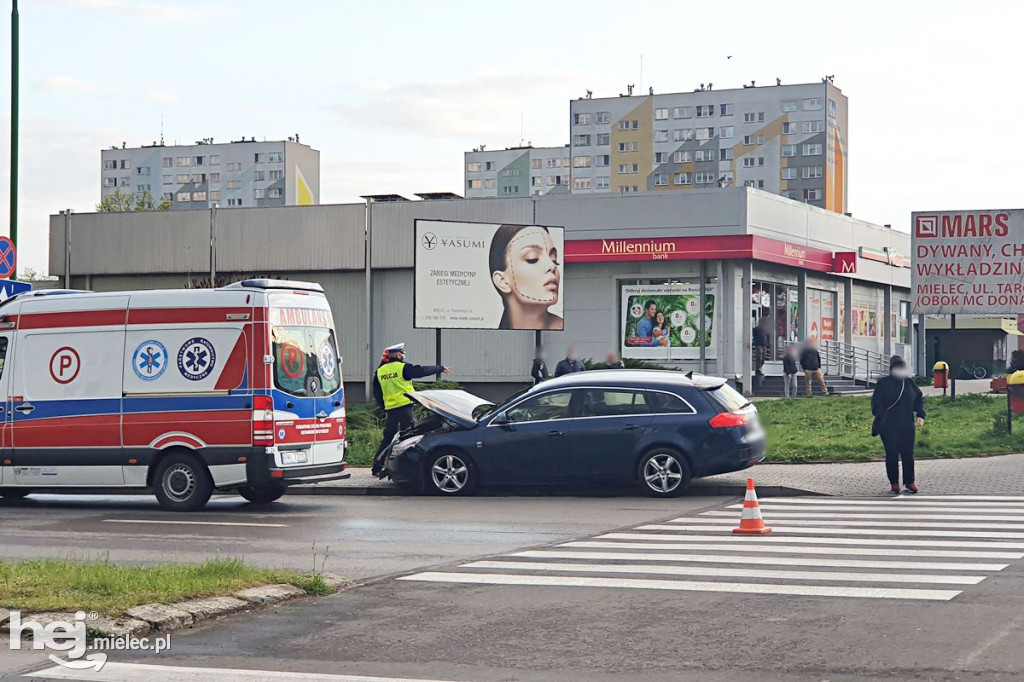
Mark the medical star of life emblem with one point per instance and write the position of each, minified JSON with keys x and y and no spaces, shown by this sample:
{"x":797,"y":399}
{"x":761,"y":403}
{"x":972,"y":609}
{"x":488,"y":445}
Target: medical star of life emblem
{"x":196,"y":359}
{"x":149,"y":360}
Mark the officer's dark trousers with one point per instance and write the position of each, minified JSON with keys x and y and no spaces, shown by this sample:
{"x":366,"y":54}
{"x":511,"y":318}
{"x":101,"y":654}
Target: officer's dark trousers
{"x":899,"y":446}
{"x":398,"y":418}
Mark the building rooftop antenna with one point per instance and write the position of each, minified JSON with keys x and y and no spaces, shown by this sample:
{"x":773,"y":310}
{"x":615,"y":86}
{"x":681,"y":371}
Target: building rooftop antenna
{"x":161,"y":130}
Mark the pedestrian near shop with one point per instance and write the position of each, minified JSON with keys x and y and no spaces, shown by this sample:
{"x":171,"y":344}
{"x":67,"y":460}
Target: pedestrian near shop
{"x":760,"y":344}
{"x":612,"y":361}
{"x":810,"y":363}
{"x":571,"y":363}
{"x":789,"y":370}
{"x":539,"y":371}
{"x":391,"y":386}
{"x":897,"y":406}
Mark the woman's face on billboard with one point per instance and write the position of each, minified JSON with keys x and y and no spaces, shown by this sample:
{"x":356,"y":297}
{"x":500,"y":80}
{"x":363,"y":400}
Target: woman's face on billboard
{"x":532,"y":272}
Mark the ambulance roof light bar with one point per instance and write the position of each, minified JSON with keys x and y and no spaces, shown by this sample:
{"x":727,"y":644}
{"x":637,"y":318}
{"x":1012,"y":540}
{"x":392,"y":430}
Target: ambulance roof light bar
{"x":276,"y":284}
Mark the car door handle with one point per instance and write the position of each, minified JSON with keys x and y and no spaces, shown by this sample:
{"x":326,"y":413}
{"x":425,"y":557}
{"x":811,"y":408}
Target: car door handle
{"x":630,"y":427}
{"x":554,"y":434}
{"x":25,"y":408}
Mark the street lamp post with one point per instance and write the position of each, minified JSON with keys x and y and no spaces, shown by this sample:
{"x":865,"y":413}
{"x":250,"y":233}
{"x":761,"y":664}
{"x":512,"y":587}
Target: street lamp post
{"x":14,"y":124}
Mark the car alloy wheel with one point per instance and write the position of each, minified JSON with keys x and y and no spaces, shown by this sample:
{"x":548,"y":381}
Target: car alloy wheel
{"x":450,"y":474}
{"x":663,"y":473}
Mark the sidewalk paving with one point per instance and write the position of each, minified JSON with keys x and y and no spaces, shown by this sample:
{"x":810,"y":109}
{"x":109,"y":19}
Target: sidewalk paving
{"x":998,"y":475}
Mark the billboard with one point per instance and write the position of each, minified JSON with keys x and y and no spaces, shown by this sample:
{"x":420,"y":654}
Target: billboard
{"x":968,"y":262}
{"x":488,"y":276}
{"x":662,"y":321}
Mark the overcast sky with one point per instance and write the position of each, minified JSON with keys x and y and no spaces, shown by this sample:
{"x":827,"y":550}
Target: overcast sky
{"x":392,"y":93}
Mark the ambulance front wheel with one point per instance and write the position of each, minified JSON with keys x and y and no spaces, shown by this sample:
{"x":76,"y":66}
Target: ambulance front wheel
{"x":262,"y":494}
{"x":182,"y":482}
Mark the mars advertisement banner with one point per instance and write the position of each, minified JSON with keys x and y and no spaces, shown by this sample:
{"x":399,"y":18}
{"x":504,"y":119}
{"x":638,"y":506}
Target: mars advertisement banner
{"x":488,"y":276}
{"x":968,"y":262}
{"x":662,"y":321}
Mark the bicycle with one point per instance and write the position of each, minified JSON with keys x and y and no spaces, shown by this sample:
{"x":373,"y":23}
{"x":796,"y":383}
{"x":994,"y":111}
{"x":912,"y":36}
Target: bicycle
{"x":976,"y":371}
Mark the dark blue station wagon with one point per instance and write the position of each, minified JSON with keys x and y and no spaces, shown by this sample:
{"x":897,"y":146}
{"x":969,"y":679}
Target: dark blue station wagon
{"x":654,"y":429}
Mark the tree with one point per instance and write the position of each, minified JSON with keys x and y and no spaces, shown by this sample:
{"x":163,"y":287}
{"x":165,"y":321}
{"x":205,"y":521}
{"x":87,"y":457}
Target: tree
{"x":31,"y":275}
{"x":124,"y":202}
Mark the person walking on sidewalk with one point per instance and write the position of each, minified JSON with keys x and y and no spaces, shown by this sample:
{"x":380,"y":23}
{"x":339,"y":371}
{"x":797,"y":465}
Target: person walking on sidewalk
{"x":810,"y":363}
{"x":539,"y":371}
{"x":898,"y":409}
{"x":789,"y":370}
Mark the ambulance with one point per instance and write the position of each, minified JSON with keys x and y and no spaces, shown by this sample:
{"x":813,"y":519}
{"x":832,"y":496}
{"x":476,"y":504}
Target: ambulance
{"x":180,"y":392}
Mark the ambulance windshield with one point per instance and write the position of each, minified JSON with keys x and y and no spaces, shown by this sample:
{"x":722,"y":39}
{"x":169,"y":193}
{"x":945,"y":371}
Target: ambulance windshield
{"x":305,"y":360}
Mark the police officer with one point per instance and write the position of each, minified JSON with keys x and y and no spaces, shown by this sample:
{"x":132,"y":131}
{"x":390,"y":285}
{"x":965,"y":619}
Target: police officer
{"x":393,"y":380}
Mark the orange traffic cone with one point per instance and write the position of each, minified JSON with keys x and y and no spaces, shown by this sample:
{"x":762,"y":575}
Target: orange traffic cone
{"x":751,"y":522}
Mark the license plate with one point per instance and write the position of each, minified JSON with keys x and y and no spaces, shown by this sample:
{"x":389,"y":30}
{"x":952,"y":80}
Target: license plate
{"x":295,"y":457}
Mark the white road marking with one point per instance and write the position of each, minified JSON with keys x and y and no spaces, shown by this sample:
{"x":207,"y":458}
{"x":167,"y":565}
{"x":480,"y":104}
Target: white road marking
{"x":766,"y":561}
{"x":683,"y":585}
{"x":741,"y":545}
{"x":719,"y":571}
{"x":140,"y":672}
{"x":771,"y":539}
{"x":916,"y":501}
{"x":196,"y":523}
{"x":889,"y":530}
{"x":893,"y":516}
{"x":899,"y":508}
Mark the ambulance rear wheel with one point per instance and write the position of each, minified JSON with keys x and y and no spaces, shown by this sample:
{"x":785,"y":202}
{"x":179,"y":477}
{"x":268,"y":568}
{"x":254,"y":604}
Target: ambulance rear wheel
{"x":182,"y":482}
{"x":14,"y":493}
{"x":262,"y":494}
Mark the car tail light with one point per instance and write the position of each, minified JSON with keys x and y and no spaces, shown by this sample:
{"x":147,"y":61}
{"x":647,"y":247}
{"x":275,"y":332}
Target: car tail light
{"x":262,"y":420}
{"x":729,"y":420}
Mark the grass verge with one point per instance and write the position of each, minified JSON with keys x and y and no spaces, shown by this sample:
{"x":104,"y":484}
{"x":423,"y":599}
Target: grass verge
{"x":42,"y":585}
{"x":839,"y":428}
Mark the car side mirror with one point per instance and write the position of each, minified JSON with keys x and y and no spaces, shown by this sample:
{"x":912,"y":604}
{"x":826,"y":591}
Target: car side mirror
{"x":500,"y":419}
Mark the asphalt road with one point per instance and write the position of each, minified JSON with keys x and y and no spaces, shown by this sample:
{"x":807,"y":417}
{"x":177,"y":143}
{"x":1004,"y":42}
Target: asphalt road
{"x":619,"y":589}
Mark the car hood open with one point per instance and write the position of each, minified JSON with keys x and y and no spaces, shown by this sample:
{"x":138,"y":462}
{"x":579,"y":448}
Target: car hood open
{"x":455,"y":406}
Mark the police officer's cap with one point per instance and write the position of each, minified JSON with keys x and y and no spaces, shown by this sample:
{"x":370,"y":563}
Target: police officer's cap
{"x":395,"y":349}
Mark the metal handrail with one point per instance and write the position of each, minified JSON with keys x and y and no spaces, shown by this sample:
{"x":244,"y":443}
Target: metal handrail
{"x":850,"y":361}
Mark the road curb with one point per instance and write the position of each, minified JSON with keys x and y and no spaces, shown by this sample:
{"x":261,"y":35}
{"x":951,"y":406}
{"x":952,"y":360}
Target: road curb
{"x":697,"y":490}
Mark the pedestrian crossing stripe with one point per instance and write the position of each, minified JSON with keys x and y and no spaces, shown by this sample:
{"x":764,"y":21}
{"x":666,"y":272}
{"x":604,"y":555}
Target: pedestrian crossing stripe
{"x":926,"y":548}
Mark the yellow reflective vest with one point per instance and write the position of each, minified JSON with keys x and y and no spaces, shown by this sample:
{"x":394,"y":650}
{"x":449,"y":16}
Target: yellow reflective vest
{"x":393,"y":385}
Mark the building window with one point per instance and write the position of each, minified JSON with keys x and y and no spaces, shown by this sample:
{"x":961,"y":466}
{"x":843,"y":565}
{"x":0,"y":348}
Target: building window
{"x":581,"y":162}
{"x":259,"y":194}
{"x":473,"y":167}
{"x":184,"y":196}
{"x":142,"y":170}
{"x":748,"y":139}
{"x":184,"y":161}
{"x":199,"y":178}
{"x":661,"y":114}
{"x":275,"y":157}
{"x":215,"y":195}
{"x":705,"y":110}
{"x":760,"y":161}
{"x":789,"y":173}
{"x":661,"y":136}
{"x":259,"y":176}
{"x":748,"y":161}
{"x":704,"y":133}
{"x":789,"y":127}
{"x":581,"y":140}
{"x":167,"y":196}
{"x":634,"y":124}
{"x":126,"y":164}
{"x":814,"y":126}
{"x":275,"y":174}
{"x":583,"y":183}
{"x":661,"y":157}
{"x":628,"y":146}
{"x":789,"y":106}
{"x":682,"y":112}
{"x":705,"y":178}
{"x":198,"y":196}
{"x":488,"y":165}
{"x":726,"y":177}
{"x":536,"y":163}
{"x":812,"y":149}
{"x":510,"y":173}
{"x":682,"y":157}
{"x":812,"y":104}
{"x":602,"y":183}
{"x":581,"y":119}
{"x":214,"y":160}
{"x":259,"y":157}
{"x":603,"y":117}
{"x":661,"y":179}
{"x":623,"y":125}
{"x":109,"y":165}
{"x":705,"y":155}
{"x":725,"y":110}
{"x":623,"y":168}
{"x":234,"y":166}
{"x":510,"y":189}
{"x":167,"y":162}
{"x":537,"y":181}
{"x":811,"y":172}
{"x":214,"y":177}
{"x":168,"y":179}
{"x":604,"y":139}
{"x":184,"y":179}
{"x":812,"y":195}
{"x":683,"y":179}
{"x":197,"y":161}
{"x":726,"y":132}
{"x":554,"y":163}
{"x":754,"y":117}
{"x":274,"y":193}
{"x":789,"y":150}
{"x":682,"y":134}
{"x":110,"y":182}
{"x":232,"y":184}
{"x":126,"y":181}
{"x":602,"y":160}
{"x":489,"y":183}
{"x":726,"y":154}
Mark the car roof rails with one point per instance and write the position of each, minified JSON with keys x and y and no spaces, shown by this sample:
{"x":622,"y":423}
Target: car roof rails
{"x":275,"y":284}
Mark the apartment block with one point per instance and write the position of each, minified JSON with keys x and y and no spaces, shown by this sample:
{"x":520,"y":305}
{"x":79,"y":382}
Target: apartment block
{"x":517,"y":171}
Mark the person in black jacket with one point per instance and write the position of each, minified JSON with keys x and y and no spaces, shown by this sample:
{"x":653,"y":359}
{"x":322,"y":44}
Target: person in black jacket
{"x":759,"y":344}
{"x":810,"y":363}
{"x":789,"y":370}
{"x":539,"y":371}
{"x":612,"y":361}
{"x":570,"y":364}
{"x":895,"y":404}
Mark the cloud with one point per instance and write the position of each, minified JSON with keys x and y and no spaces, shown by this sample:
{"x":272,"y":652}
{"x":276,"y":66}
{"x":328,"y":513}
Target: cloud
{"x":145,"y":11}
{"x":69,"y":84}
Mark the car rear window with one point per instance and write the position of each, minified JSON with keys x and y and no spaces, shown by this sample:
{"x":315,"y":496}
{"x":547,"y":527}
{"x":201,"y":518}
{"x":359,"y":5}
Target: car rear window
{"x":668,"y":403}
{"x":728,"y":397}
